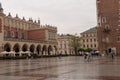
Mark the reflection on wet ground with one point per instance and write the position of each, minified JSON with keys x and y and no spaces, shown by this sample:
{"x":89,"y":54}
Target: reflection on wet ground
{"x":66,"y":68}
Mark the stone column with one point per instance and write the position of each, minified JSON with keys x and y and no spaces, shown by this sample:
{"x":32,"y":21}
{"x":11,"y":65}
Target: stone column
{"x":20,"y":54}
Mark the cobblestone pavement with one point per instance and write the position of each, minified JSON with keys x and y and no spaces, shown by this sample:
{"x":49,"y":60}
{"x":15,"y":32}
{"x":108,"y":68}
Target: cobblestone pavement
{"x":66,"y":68}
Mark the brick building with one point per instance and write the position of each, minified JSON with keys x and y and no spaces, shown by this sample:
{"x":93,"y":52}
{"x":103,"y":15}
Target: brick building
{"x":108,"y":12}
{"x":22,"y":36}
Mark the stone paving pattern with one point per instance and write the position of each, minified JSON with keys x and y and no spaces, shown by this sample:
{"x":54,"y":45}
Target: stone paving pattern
{"x":66,"y":68}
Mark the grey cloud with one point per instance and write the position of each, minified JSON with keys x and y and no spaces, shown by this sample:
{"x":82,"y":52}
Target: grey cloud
{"x":70,"y":16}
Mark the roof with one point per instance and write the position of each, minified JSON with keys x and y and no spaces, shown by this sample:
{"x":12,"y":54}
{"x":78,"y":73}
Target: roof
{"x":91,"y":30}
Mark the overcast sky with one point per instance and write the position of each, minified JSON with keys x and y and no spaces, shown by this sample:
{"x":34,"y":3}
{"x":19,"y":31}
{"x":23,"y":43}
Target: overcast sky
{"x":70,"y":16}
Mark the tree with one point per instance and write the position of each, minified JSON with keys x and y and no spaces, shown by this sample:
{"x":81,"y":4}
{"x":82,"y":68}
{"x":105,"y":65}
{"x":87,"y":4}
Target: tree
{"x":75,"y":43}
{"x":81,"y":49}
{"x":88,"y":50}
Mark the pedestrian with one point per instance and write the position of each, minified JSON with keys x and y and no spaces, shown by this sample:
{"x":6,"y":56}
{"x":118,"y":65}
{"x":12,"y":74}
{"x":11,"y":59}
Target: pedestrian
{"x":85,"y":56}
{"x":89,"y":56}
{"x":112,"y":54}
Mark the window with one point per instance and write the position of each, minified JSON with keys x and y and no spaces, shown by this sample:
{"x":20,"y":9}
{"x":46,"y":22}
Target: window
{"x":118,"y":38}
{"x":5,"y":33}
{"x":83,"y":40}
{"x":95,"y":40}
{"x":12,"y":34}
{"x":90,"y":40}
{"x":86,"y":35}
{"x":107,"y":28}
{"x":104,"y":20}
{"x":95,"y":45}
{"x":83,"y":35}
{"x":99,"y":21}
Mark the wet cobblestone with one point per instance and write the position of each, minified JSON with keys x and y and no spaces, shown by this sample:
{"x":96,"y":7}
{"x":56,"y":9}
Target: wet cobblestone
{"x":66,"y":68}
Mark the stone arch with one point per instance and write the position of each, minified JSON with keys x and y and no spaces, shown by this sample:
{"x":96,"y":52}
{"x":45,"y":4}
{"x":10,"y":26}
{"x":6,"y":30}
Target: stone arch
{"x":7,"y":47}
{"x":38,"y":49}
{"x":32,"y":48}
{"x":44,"y":50}
{"x":16,"y":47}
{"x":25,"y":47}
{"x":50,"y":49}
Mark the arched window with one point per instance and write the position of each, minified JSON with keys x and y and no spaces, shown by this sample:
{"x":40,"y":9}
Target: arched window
{"x":12,"y":34}
{"x":104,"y":20}
{"x":5,"y":33}
{"x":107,"y":28}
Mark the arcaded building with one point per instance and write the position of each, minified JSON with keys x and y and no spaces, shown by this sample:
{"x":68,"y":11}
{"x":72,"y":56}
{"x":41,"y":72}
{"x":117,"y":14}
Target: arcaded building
{"x":21,"y":36}
{"x":108,"y":12}
{"x":89,"y":39}
{"x":65,"y":45}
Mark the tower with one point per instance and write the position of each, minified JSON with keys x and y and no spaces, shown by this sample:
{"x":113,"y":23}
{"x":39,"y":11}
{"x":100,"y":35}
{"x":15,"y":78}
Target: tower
{"x":108,"y":14}
{"x":1,"y":9}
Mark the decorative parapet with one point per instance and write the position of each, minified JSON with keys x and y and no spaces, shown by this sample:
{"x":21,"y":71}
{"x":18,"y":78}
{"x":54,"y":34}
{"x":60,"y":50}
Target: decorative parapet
{"x":23,"y":19}
{"x":48,"y":27}
{"x":31,"y":41}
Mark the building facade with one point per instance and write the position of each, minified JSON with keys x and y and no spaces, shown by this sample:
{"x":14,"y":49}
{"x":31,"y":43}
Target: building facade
{"x":108,"y":12}
{"x":89,"y":39}
{"x":22,"y":36}
{"x":65,"y":45}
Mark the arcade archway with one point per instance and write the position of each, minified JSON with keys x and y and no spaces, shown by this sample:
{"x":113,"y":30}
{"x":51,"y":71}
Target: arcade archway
{"x":7,"y":47}
{"x":50,"y":50}
{"x":38,"y":49}
{"x":44,"y":50}
{"x":24,"y":47}
{"x":16,"y":47}
{"x":32,"y":48}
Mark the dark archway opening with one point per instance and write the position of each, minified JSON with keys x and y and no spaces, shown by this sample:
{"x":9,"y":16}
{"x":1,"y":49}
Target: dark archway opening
{"x":32,"y":48}
{"x":16,"y":48}
{"x":7,"y":47}
{"x":24,"y":48}
{"x":38,"y":49}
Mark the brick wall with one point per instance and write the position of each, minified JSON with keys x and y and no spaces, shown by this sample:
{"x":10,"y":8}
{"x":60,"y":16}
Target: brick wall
{"x":0,"y":25}
{"x":108,"y":9}
{"x":37,"y":34}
